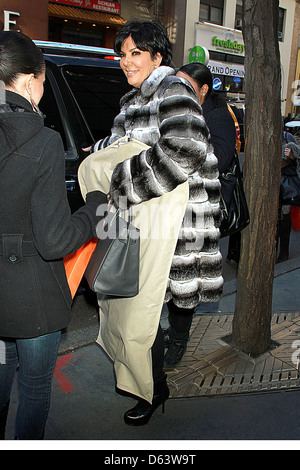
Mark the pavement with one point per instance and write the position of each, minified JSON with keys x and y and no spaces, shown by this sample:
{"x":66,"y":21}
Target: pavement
{"x":87,"y":413}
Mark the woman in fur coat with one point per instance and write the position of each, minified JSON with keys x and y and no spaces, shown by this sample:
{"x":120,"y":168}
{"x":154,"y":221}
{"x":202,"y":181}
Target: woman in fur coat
{"x":162,"y":111}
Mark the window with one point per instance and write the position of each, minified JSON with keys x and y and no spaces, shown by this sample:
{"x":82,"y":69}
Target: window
{"x":281,"y":23}
{"x":212,"y":11}
{"x":227,"y":83}
{"x":62,"y":113}
{"x":98,"y":91}
{"x":204,"y":12}
{"x":50,"y":109}
{"x":239,"y":18}
{"x":239,"y":14}
{"x":234,"y":84}
{"x":221,"y":57}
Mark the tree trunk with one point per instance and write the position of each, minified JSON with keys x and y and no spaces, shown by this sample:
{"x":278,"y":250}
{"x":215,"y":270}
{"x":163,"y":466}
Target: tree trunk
{"x":252,"y":319}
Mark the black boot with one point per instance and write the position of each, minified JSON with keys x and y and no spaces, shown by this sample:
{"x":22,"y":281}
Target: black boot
{"x":175,"y":353}
{"x":142,"y":412}
{"x":3,"y":420}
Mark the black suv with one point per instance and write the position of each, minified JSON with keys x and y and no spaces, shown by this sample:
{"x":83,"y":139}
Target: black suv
{"x":81,"y":98}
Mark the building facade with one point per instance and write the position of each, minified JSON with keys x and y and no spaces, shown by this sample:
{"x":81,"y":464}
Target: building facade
{"x":87,"y":22}
{"x":216,"y":26}
{"x":293,"y":96}
{"x":200,"y":30}
{"x":18,"y":15}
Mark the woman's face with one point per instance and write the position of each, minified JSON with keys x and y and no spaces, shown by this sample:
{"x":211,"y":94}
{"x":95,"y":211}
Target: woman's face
{"x":136,"y":64}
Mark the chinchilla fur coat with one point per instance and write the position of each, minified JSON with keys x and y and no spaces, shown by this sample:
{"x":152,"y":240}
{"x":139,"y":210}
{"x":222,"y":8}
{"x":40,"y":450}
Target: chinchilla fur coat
{"x":164,"y":114}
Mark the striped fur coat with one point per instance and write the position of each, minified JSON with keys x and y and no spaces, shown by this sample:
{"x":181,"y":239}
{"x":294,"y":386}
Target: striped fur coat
{"x":165,"y":115}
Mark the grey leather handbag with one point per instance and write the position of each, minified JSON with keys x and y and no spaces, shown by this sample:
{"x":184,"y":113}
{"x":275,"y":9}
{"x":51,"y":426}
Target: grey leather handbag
{"x":113,"y":270}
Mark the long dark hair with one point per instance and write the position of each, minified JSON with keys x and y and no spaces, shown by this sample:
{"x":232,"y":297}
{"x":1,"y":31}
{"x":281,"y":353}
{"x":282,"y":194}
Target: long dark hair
{"x":150,"y":35}
{"x":18,"y":55}
{"x":202,"y":75}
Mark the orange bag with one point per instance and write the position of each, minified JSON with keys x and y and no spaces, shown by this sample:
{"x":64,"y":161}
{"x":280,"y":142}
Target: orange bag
{"x":295,"y":217}
{"x":76,"y":264}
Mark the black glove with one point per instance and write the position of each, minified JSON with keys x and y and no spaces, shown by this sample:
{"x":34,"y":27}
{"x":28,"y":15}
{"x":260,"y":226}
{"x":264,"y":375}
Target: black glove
{"x":100,"y":203}
{"x":96,"y":197}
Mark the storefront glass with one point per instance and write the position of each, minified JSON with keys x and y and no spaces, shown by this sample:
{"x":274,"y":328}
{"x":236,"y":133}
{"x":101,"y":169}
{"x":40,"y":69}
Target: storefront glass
{"x":88,"y":26}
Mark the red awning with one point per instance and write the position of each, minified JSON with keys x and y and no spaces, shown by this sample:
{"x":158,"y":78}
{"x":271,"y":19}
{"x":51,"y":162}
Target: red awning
{"x":81,"y":14}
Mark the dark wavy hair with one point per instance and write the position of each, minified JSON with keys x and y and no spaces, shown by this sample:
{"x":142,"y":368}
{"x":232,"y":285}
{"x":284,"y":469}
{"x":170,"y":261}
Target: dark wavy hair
{"x":149,"y":35}
{"x":18,"y":55}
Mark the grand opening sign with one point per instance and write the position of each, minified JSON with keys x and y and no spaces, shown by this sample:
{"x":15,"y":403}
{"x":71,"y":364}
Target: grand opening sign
{"x":99,"y":5}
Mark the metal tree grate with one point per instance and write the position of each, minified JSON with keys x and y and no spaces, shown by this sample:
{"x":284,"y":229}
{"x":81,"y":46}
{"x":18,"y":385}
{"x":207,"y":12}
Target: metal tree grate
{"x":211,"y":367}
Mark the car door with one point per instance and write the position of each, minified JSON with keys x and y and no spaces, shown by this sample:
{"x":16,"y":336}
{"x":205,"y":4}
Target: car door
{"x":62,"y":114}
{"x":80,"y":101}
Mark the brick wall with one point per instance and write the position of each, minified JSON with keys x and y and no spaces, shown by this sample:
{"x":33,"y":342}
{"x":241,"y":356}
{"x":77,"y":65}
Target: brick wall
{"x":33,"y":19}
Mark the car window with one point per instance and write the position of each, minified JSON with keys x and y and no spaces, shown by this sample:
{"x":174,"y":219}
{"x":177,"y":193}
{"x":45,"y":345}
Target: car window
{"x":98,"y":92}
{"x":52,"y":117}
{"x":63,"y":114}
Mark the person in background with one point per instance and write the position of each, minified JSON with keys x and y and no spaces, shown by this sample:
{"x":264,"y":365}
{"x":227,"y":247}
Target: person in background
{"x":284,"y":227}
{"x":223,"y":139}
{"x":215,"y":111}
{"x":36,"y":231}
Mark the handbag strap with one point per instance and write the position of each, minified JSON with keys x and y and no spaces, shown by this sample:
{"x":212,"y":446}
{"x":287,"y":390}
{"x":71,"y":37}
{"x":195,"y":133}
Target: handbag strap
{"x":112,"y":216}
{"x":238,"y":143}
{"x":122,"y":213}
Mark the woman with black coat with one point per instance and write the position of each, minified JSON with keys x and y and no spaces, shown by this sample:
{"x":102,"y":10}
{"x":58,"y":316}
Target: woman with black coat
{"x":215,"y":111}
{"x":37,"y":230}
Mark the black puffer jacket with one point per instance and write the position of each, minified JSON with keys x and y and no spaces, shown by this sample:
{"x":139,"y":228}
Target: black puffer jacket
{"x":37,"y":228}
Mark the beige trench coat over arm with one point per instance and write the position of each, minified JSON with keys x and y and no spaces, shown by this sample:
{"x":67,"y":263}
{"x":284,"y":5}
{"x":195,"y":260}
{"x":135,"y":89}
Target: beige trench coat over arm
{"x":128,"y":327}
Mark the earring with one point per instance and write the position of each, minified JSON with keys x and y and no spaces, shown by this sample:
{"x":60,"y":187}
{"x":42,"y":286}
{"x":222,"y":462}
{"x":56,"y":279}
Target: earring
{"x":35,"y":107}
{"x":149,"y":73}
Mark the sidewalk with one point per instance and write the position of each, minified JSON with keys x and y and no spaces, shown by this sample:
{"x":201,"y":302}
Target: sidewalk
{"x":216,"y":393}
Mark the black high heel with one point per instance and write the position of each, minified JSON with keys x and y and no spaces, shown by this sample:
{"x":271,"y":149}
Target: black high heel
{"x":142,"y":412}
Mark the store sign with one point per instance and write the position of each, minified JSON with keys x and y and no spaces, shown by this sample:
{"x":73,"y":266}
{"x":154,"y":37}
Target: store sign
{"x":226,"y":45}
{"x":9,"y":19}
{"x":237,"y":79}
{"x":217,"y":84}
{"x":99,"y":5}
{"x":230,"y":70}
{"x":199,"y":54}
